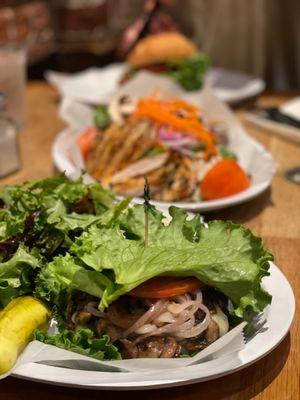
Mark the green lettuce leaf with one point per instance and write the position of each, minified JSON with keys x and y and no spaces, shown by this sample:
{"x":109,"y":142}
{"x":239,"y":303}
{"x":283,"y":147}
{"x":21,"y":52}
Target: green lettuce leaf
{"x":48,"y":288}
{"x":79,"y":239}
{"x":55,"y":199}
{"x":50,"y":213}
{"x":64,"y":221}
{"x":81,"y":341}
{"x":101,"y":117}
{"x":66,"y":272}
{"x":227,"y":153}
{"x":102,"y":198}
{"x":31,"y":196}
{"x":223,"y":255}
{"x":57,"y":281}
{"x":3,"y":227}
{"x":190,"y":72}
{"x":16,"y":275}
{"x":39,"y":220}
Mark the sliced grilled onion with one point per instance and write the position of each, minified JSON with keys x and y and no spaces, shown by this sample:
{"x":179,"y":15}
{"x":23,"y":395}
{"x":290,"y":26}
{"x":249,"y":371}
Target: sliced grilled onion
{"x":185,"y":333}
{"x":149,"y":315}
{"x":182,"y":298}
{"x":146,"y":328}
{"x":221,"y":319}
{"x":175,"y":317}
{"x":167,"y":328}
{"x":163,"y":318}
{"x":91,"y":308}
{"x":173,"y":327}
{"x":175,"y":308}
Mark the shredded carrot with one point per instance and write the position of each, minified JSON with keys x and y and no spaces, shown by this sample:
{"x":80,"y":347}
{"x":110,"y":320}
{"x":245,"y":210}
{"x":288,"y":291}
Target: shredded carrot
{"x":179,"y":115}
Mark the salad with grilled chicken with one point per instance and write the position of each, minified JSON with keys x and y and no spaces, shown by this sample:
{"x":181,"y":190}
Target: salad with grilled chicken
{"x":184,"y":156}
{"x":120,"y":281}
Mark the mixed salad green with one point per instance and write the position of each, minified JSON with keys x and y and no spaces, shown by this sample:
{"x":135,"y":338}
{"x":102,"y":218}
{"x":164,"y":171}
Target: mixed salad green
{"x":190,"y":72}
{"x":58,"y":237}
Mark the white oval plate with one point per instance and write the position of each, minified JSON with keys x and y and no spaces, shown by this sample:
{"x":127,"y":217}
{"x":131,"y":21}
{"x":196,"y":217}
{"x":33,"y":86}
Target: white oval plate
{"x":279,"y":319}
{"x":234,"y":86}
{"x":257,"y":161}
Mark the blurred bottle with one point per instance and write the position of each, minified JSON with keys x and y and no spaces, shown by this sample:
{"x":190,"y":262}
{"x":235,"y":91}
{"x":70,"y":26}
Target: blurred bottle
{"x":9,"y":151}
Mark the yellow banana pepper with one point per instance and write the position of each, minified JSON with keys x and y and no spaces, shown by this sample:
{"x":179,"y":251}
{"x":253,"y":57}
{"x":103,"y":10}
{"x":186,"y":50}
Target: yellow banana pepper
{"x":18,"y":320}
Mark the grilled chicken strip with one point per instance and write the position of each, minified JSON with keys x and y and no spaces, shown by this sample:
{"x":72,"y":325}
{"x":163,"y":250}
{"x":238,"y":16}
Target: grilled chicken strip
{"x":120,"y":146}
{"x":175,"y":180}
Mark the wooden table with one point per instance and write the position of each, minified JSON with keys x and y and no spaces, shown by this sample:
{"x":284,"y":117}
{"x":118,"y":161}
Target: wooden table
{"x":275,"y":215}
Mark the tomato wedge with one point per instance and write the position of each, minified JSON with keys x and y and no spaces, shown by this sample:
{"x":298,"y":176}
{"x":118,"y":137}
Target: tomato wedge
{"x":166,"y":286}
{"x":225,"y":178}
{"x":85,"y":140}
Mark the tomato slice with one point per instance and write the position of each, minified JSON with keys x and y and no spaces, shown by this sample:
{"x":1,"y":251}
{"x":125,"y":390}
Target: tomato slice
{"x":85,"y":140}
{"x":166,"y":286}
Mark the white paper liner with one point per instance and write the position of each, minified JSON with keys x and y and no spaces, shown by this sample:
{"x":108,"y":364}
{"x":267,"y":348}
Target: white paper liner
{"x":97,"y":84}
{"x":76,"y":115}
{"x":91,"y":86}
{"x":38,"y":352}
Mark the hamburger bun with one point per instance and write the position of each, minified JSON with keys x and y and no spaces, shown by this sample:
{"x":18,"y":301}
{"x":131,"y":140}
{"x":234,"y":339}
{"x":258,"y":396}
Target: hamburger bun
{"x":160,"y":48}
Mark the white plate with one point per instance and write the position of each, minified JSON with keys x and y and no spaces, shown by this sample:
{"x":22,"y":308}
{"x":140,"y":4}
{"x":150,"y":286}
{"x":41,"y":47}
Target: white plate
{"x":234,"y":86}
{"x":280,"y":316}
{"x":95,"y":85}
{"x":252,"y":156}
{"x":62,"y":161}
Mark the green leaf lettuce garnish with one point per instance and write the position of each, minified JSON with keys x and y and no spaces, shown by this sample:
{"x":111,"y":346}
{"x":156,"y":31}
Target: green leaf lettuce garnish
{"x":190,"y":72}
{"x":81,"y":341}
{"x":39,"y":220}
{"x":16,"y":275}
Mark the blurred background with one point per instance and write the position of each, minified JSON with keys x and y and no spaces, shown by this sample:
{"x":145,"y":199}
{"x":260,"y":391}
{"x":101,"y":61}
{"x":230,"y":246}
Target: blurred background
{"x":261,"y":37}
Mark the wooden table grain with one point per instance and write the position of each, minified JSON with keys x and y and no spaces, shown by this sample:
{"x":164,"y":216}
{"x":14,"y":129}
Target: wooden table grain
{"x":275,"y":215}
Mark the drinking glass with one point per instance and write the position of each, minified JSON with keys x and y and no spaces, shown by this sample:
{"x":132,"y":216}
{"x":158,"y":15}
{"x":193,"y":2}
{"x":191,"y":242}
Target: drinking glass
{"x":12,"y":82}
